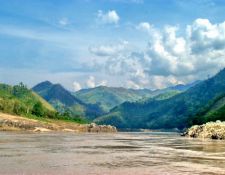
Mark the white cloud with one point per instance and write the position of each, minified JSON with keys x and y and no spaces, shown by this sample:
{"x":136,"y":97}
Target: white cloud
{"x":205,"y":36}
{"x":176,"y":45}
{"x":160,"y":82}
{"x":110,"y":17}
{"x":108,"y":50}
{"x":103,"y":83}
{"x":76,"y":86}
{"x":90,"y":83}
{"x":171,"y":56}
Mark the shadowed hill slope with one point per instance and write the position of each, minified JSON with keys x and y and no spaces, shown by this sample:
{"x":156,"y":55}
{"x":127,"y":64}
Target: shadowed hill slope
{"x":64,"y":101}
{"x":174,"y":112}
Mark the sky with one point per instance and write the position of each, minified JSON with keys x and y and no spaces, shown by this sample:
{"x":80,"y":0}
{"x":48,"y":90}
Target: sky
{"x":121,"y":43}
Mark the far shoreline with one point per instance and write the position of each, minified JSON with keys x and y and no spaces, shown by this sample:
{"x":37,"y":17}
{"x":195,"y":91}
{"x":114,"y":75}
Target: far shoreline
{"x":10,"y":122}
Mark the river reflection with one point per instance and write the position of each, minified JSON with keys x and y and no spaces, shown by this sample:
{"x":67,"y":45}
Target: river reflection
{"x":121,"y":153}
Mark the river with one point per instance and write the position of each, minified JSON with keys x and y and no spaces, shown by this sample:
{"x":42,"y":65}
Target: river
{"x":121,"y":153}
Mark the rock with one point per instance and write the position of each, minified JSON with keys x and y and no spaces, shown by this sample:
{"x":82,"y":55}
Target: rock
{"x":40,"y":129}
{"x":68,"y":130}
{"x":212,"y":130}
{"x":93,"y":125}
{"x":100,"y":128}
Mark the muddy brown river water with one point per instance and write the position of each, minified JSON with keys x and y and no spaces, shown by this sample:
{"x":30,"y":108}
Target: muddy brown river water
{"x":121,"y":153}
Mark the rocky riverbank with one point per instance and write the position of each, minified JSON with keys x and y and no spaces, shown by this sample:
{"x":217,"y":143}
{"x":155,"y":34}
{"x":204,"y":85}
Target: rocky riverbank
{"x":18,"y":123}
{"x":211,"y":130}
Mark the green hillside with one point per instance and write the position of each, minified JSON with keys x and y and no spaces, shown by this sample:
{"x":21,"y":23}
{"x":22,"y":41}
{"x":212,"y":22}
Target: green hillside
{"x":109,"y":97}
{"x":213,"y":111}
{"x":174,"y":112}
{"x":14,"y":98}
{"x":43,"y":101}
{"x":163,"y":96}
{"x":20,"y":100}
{"x":64,"y":102}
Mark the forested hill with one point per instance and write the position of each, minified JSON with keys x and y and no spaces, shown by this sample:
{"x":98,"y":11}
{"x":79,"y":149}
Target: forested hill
{"x":64,"y":101}
{"x":22,"y":101}
{"x":175,"y":112}
{"x":109,"y":97}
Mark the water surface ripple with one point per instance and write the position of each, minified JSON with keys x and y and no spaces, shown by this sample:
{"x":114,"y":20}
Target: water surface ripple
{"x":121,"y":153}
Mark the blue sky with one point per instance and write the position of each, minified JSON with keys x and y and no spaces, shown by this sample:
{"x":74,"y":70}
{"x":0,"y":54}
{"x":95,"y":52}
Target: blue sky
{"x":130,"y":43}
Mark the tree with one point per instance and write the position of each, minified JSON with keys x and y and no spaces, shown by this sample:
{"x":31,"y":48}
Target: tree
{"x":20,"y":90}
{"x":38,"y":110}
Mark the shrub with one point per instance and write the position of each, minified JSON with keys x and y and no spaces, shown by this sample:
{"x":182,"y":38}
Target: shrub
{"x":38,"y":110}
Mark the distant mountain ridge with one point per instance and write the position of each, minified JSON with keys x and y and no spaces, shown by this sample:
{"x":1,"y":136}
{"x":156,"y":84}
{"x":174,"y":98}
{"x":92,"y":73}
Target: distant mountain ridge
{"x":109,"y":97}
{"x":94,"y":102}
{"x":179,"y":87}
{"x":174,"y":112}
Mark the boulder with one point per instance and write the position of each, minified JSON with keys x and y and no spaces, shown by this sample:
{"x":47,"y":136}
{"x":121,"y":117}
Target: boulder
{"x":212,"y":130}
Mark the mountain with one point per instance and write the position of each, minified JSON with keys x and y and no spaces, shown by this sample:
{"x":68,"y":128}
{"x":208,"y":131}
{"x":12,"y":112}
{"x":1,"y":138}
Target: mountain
{"x":42,"y":87}
{"x":184,"y":87}
{"x":174,"y":112}
{"x":109,"y":97}
{"x":52,"y":92}
{"x":178,"y":88}
{"x":64,"y":101}
{"x":163,"y":95}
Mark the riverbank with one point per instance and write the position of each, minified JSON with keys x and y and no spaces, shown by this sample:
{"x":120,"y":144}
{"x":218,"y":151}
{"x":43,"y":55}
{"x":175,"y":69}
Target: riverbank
{"x":211,"y":130}
{"x":17,"y":123}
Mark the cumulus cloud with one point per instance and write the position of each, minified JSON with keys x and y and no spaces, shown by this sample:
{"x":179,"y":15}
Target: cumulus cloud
{"x":198,"y":49}
{"x":76,"y":86}
{"x":110,"y":17}
{"x":205,"y":36}
{"x":172,"y":56}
